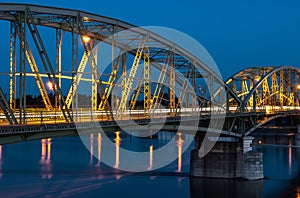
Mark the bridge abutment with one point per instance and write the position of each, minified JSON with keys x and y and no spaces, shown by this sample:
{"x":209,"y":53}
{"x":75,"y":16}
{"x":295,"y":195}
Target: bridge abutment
{"x":228,"y":160}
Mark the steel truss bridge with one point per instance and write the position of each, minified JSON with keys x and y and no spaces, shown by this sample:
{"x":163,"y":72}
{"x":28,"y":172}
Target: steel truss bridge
{"x":52,"y":50}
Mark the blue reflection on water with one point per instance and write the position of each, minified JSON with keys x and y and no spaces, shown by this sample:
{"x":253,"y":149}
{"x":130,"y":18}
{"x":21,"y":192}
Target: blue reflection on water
{"x":64,"y":167}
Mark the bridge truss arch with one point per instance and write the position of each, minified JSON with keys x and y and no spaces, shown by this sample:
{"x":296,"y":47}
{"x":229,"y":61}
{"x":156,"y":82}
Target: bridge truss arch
{"x":86,"y":30}
{"x":268,"y":89}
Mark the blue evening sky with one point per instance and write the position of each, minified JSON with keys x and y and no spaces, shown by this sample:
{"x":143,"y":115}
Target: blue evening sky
{"x":238,"y":34}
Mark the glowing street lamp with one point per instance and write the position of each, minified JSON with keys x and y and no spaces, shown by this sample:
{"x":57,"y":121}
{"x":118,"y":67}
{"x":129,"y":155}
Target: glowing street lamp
{"x":298,"y":87}
{"x":86,"y":19}
{"x":50,"y":86}
{"x":86,"y":39}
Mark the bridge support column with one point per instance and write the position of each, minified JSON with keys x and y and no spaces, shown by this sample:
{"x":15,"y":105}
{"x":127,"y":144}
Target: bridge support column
{"x":297,"y":136}
{"x":228,"y":160}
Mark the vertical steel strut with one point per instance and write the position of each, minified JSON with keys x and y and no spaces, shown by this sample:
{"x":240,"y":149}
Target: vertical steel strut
{"x":47,"y":64}
{"x":129,"y":82}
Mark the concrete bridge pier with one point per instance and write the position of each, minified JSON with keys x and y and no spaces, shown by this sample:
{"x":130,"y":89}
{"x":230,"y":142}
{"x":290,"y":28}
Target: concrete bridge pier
{"x":297,"y":136}
{"x":228,"y":159}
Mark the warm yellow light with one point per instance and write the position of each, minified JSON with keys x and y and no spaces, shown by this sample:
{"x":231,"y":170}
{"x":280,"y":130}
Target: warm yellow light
{"x":257,"y":78}
{"x":99,"y":149}
{"x":298,"y":192}
{"x":151,"y":158}
{"x":86,"y":39}
{"x":259,"y":142}
{"x":50,"y":85}
{"x":43,"y":153}
{"x":117,"y":143}
{"x":86,"y":19}
{"x":298,"y":87}
{"x":48,"y":150}
{"x":179,"y":144}
{"x":269,"y":109}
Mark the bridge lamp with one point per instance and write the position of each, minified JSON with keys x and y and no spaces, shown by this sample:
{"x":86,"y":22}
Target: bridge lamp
{"x":86,"y":19}
{"x":86,"y":39}
{"x":259,"y":141}
{"x":257,"y":78}
{"x":298,"y":87}
{"x":50,"y":86}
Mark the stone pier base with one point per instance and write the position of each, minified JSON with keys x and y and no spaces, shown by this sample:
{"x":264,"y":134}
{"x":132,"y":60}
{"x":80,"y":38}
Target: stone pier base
{"x":213,"y":187}
{"x":297,"y":139}
{"x":227,"y":160}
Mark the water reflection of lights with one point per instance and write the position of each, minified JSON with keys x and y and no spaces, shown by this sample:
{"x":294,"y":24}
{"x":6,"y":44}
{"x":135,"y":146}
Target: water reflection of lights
{"x":99,"y":149}
{"x":48,"y":151}
{"x":118,"y":176}
{"x":117,"y":143}
{"x":151,"y":158}
{"x":46,"y":158}
{"x":43,"y":154}
{"x":179,"y":180}
{"x":93,"y":142}
{"x":91,"y":147}
{"x":290,"y":157}
{"x":179,"y":145}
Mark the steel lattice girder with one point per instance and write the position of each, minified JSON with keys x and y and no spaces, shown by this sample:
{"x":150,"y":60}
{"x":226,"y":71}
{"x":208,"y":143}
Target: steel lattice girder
{"x":100,"y":27}
{"x":264,"y":78}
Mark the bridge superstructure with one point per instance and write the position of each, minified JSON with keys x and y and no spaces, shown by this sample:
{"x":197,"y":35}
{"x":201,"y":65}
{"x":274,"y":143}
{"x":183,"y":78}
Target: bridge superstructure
{"x":183,"y":85}
{"x":269,"y":92}
{"x":271,"y":88}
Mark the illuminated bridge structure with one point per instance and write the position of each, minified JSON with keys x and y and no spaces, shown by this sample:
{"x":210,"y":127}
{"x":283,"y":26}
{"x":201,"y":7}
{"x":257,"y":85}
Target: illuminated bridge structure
{"x":52,"y":51}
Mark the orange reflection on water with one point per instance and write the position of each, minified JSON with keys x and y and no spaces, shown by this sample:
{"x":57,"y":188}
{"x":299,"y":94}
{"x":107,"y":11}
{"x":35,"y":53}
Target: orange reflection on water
{"x":298,"y":192}
{"x":48,"y":150}
{"x":117,"y":143}
{"x":46,"y":158}
{"x":0,"y":153}
{"x":179,"y":145}
{"x":151,"y":158}
{"x":99,"y":149}
{"x":44,"y":147}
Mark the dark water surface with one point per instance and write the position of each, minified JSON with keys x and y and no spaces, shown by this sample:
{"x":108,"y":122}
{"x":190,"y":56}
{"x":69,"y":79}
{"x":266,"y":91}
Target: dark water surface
{"x":61,"y":167}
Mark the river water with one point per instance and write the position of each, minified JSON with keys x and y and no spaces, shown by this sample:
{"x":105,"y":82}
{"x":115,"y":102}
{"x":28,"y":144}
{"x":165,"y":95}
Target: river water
{"x":61,"y":167}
